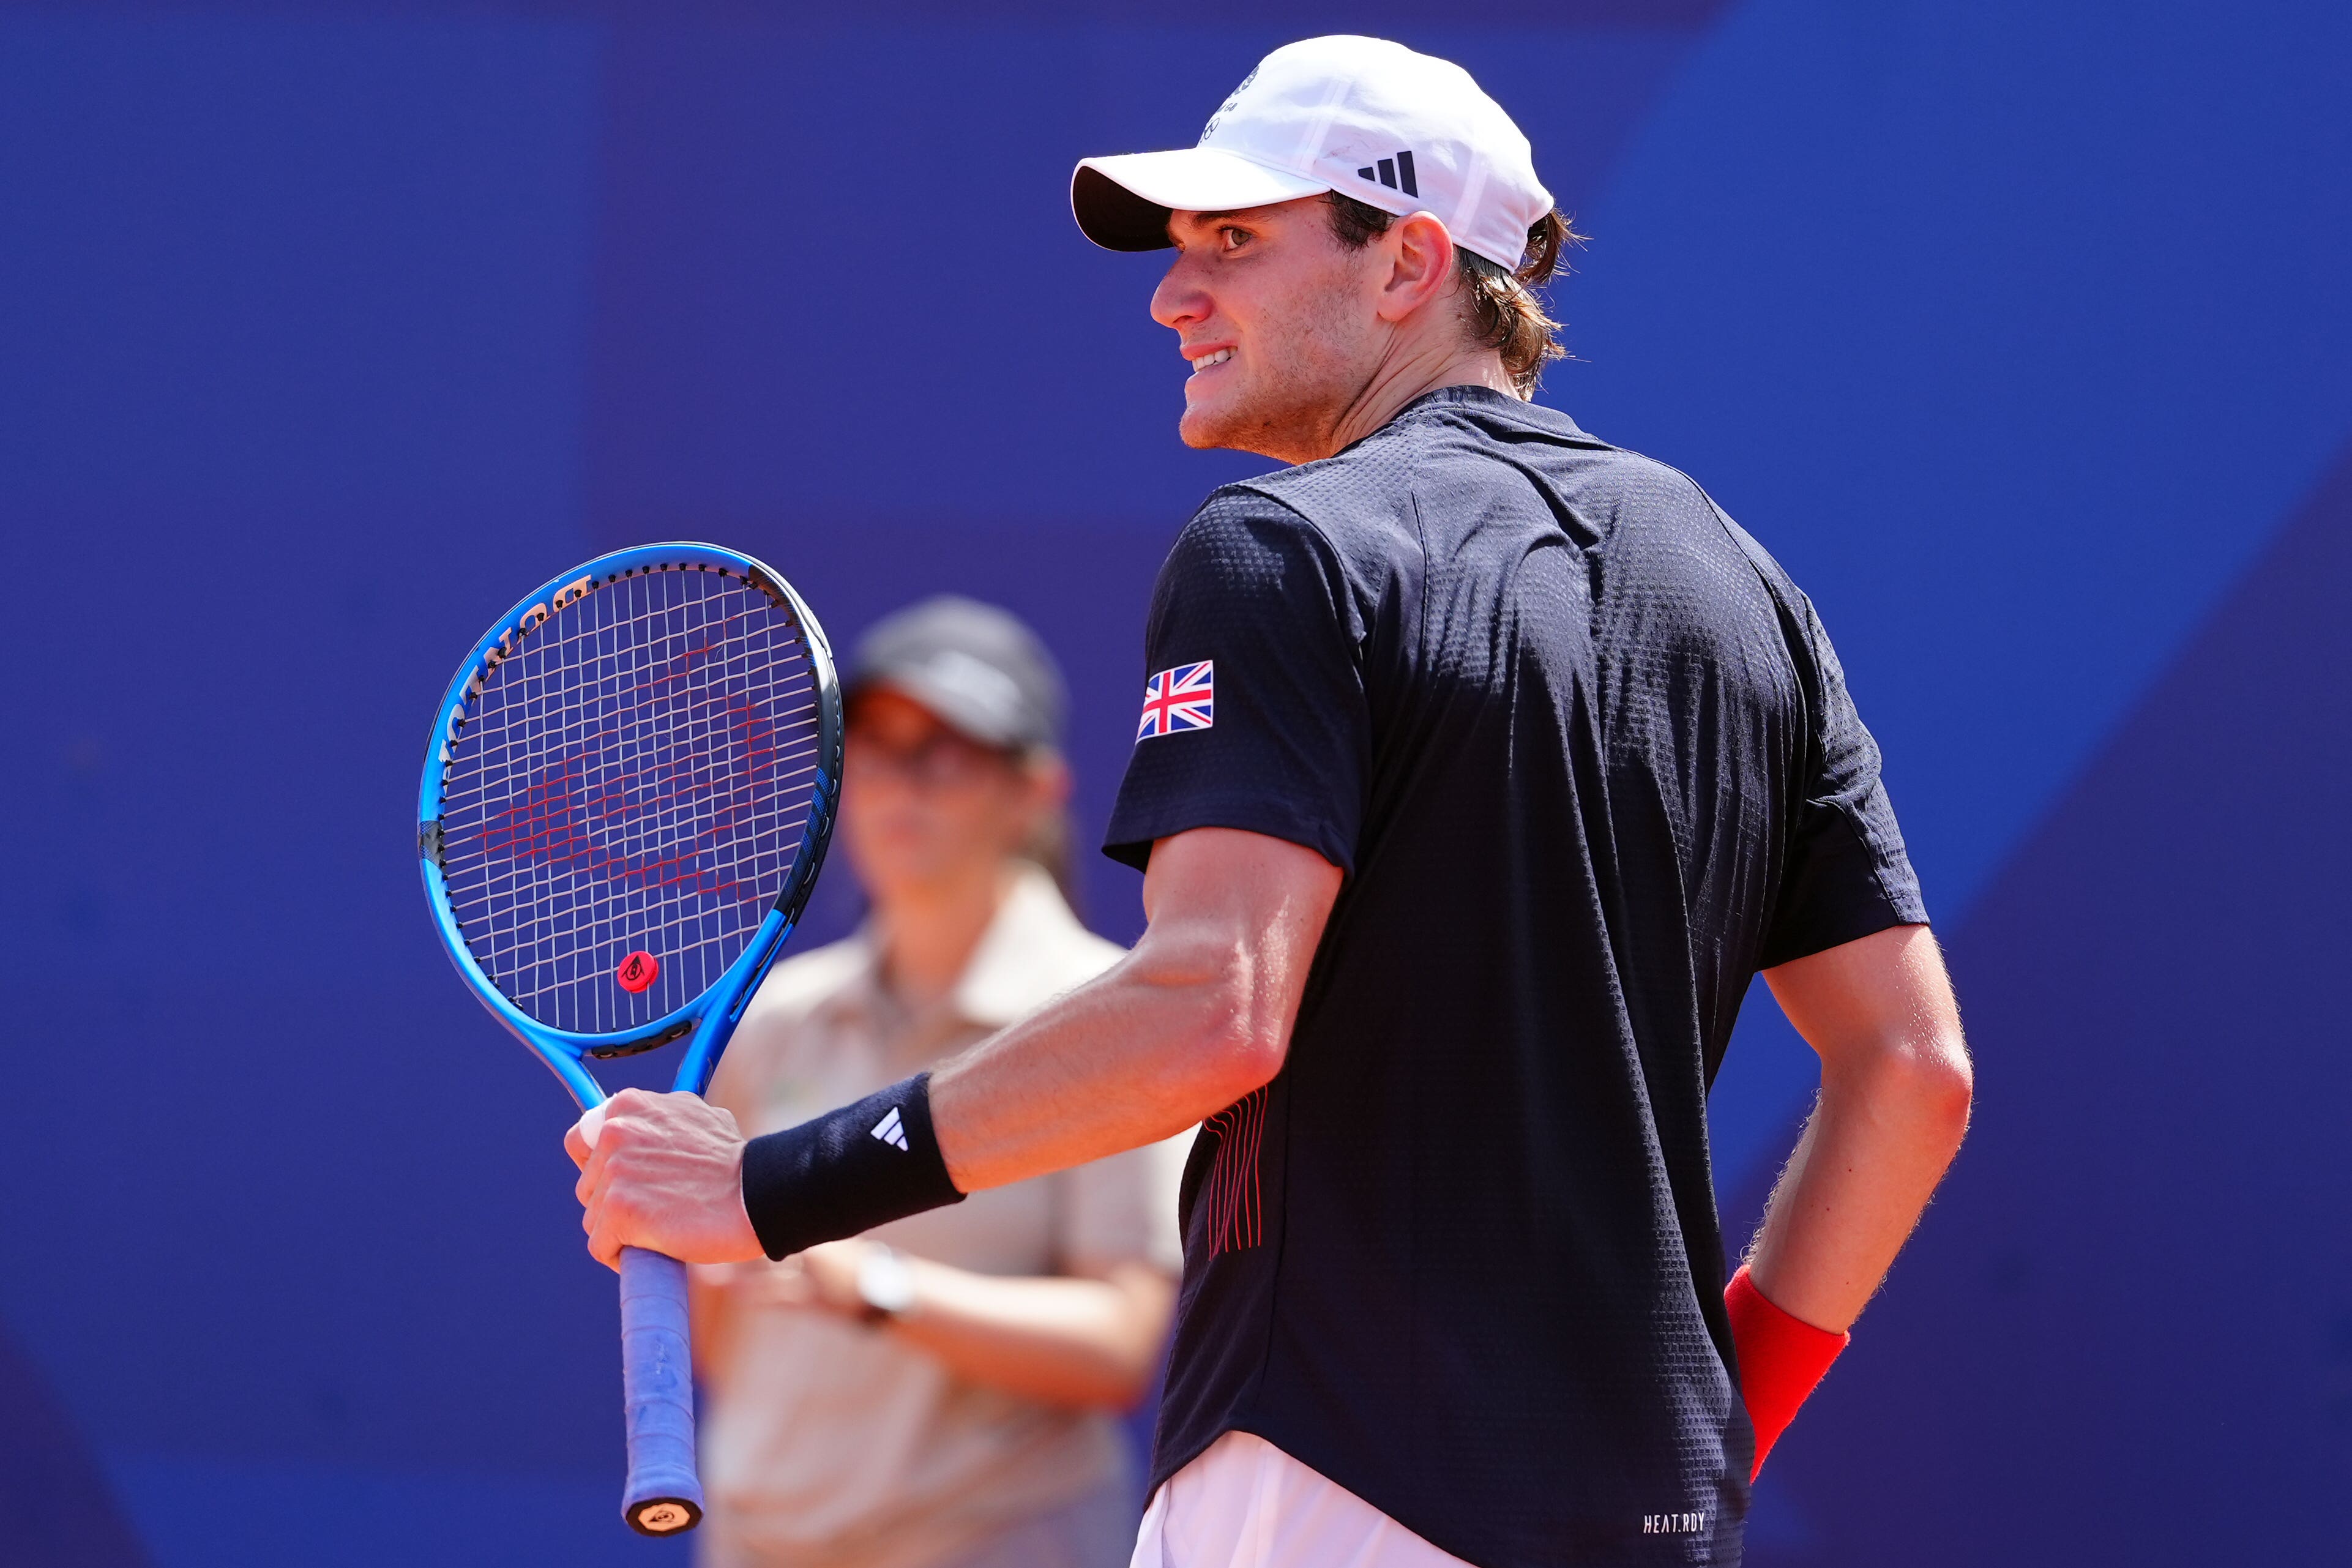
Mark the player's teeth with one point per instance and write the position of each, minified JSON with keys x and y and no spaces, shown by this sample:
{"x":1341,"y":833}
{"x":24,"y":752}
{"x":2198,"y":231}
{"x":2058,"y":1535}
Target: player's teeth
{"x":1205,"y":361}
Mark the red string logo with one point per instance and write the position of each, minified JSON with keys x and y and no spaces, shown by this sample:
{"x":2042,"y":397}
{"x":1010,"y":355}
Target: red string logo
{"x":638,"y":970}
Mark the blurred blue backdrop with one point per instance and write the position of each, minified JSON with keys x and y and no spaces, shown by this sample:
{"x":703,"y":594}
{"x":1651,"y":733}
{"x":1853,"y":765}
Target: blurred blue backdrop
{"x":2018,"y":330}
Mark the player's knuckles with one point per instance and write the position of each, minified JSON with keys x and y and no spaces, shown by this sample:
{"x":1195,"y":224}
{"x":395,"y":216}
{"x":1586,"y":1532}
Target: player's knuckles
{"x":630,"y":1103}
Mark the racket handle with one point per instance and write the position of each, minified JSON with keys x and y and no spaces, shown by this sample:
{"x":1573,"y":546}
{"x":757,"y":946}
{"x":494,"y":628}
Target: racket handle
{"x":663,"y":1495}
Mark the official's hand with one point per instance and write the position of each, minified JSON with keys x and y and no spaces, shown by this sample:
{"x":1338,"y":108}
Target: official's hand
{"x":830,"y":1269}
{"x":823,"y":1279}
{"x":663,"y":1172}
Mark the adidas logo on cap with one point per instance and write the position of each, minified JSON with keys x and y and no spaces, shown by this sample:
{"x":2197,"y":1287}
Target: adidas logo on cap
{"x":1396,"y":173}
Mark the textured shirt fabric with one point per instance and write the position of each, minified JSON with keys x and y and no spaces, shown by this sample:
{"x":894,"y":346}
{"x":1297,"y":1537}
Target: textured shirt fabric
{"x":826,"y":1442}
{"x":1588,"y":762}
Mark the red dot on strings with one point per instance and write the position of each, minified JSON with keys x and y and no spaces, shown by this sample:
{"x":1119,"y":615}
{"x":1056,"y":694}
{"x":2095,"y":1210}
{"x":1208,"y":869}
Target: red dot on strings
{"x":638,"y":970}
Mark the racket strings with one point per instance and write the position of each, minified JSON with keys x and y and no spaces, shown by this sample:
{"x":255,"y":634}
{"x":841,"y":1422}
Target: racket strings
{"x":638,"y":773}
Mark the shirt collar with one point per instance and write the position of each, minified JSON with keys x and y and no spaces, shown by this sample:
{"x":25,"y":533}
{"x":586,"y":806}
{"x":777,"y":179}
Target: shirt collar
{"x":1470,"y":394}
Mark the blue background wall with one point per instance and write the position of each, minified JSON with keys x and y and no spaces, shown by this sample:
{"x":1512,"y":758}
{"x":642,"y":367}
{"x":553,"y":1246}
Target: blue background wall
{"x":2018,"y":330}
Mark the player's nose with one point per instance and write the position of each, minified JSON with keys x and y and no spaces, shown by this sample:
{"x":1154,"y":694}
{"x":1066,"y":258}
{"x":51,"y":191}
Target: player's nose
{"x":1180,"y":301}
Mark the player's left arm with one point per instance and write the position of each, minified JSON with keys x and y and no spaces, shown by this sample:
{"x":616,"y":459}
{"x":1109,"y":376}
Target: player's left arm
{"x":1896,"y":1089}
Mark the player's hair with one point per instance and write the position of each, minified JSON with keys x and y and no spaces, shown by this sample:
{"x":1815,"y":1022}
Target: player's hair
{"x":1502,"y":309}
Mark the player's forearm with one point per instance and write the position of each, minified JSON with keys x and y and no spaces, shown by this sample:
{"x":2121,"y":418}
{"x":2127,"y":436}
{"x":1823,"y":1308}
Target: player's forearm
{"x":1889,"y":1121}
{"x":1199,"y":1014}
{"x":1077,"y":1342}
{"x":1178,"y":1029}
{"x":1174,"y":1033}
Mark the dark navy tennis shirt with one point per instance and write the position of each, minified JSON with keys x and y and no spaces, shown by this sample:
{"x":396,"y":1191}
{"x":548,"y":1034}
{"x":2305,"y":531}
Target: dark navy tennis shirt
{"x":1588,"y":762}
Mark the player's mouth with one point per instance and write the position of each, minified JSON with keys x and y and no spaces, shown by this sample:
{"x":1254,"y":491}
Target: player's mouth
{"x":1210,"y":360}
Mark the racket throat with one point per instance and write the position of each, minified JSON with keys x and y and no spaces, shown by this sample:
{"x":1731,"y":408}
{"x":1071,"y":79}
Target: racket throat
{"x":605,"y":1053}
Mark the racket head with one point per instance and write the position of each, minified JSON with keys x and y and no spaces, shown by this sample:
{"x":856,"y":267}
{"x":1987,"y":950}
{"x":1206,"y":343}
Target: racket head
{"x":642,"y":757}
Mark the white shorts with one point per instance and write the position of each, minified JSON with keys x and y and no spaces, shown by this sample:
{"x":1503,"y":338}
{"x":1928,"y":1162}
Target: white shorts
{"x":1244,"y":1503}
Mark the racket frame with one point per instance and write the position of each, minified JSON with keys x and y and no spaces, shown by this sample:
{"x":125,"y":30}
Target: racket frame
{"x":708,"y":1020}
{"x":663,"y":1495}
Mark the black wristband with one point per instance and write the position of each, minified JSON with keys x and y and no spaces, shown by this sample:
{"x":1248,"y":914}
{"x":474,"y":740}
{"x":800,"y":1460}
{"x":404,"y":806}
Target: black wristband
{"x":847,"y":1171}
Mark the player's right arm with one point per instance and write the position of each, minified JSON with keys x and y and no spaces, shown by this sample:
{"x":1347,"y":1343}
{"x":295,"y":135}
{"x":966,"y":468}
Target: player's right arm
{"x":1196,"y":1015}
{"x":1245,"y":821}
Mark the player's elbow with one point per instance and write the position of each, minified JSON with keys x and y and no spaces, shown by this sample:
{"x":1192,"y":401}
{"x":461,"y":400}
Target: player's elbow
{"x":1919,"y":1081}
{"x":1937,"y":1085}
{"x":1242,"y":1042}
{"x":1959,"y":1094}
{"x":1231,"y":1001}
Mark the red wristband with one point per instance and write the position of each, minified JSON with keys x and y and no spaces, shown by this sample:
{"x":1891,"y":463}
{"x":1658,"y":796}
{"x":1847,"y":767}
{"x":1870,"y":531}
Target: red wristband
{"x":1782,"y":1359}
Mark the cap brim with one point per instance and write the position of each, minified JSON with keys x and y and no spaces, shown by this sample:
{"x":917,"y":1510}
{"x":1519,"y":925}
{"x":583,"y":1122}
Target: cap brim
{"x":1122,"y":202}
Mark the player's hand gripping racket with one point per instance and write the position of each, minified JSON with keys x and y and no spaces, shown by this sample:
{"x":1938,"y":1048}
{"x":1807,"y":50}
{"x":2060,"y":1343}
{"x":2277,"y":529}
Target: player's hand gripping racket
{"x":626,"y":798}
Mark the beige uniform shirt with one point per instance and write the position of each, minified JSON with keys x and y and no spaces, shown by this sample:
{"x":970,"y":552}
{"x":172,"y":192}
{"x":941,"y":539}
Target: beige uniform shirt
{"x":826,"y":1442}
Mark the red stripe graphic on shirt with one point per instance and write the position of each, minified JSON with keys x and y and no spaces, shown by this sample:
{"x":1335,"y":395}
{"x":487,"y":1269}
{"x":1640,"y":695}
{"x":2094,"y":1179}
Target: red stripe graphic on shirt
{"x":1235,"y":1217}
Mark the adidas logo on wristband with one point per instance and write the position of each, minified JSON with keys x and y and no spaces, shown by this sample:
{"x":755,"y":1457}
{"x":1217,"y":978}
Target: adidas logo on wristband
{"x":892,"y":1130}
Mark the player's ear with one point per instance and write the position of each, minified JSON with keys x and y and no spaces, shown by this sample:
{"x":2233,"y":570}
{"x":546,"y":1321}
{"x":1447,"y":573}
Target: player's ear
{"x":1420,"y":265}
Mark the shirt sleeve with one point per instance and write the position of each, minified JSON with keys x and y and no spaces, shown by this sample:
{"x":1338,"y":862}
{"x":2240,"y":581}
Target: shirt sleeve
{"x":1254,"y":713}
{"x":1847,"y":873}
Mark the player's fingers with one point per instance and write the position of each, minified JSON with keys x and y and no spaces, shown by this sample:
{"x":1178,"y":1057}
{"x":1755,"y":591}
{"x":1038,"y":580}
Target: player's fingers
{"x":605,"y":1248}
{"x":612,"y":1227}
{"x":579,"y":1138}
{"x":594,"y":1171}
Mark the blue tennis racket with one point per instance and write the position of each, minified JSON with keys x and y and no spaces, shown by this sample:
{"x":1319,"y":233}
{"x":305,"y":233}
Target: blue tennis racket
{"x":627,"y":799}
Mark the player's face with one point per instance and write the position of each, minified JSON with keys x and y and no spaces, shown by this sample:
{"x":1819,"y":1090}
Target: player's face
{"x":1279,"y":322}
{"x":924,"y":809}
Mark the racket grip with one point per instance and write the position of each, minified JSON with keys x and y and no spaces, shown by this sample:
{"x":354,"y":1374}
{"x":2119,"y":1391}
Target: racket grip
{"x":663,"y":1495}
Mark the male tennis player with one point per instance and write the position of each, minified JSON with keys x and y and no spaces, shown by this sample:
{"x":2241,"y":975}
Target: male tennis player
{"x":1482,"y":763}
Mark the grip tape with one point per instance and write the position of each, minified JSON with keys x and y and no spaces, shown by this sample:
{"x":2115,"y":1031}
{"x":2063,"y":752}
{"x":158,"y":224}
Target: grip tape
{"x":664,"y":1495}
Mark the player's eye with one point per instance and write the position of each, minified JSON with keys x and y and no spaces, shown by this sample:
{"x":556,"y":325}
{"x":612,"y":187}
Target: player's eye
{"x":1234,"y":238}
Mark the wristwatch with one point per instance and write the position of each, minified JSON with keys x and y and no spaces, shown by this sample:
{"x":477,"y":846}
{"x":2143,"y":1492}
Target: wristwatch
{"x":886,"y":1285}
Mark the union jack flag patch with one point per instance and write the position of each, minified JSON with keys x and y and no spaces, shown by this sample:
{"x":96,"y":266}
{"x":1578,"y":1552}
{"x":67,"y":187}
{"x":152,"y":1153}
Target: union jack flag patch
{"x":1180,"y":699}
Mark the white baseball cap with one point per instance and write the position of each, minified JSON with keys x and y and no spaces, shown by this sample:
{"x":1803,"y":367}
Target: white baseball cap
{"x":1395,"y":130}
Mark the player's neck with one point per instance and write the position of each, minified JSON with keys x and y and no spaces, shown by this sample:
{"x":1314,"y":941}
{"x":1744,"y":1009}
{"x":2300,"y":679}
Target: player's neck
{"x":1413,"y":372}
{"x":928,"y":934}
